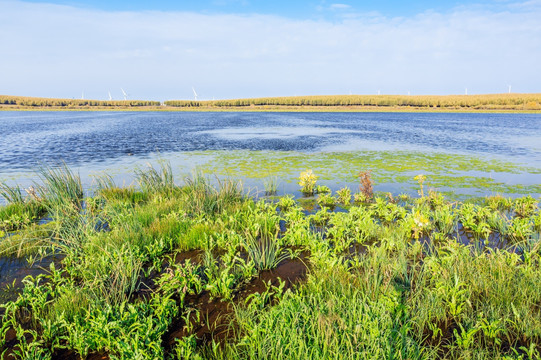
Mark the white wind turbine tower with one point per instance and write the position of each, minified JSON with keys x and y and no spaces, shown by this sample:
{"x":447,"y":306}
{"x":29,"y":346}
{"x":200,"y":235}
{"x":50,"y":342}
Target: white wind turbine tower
{"x":83,"y":95}
{"x":110,"y":97}
{"x":509,"y":89}
{"x":124,"y":93}
{"x":194,"y":94}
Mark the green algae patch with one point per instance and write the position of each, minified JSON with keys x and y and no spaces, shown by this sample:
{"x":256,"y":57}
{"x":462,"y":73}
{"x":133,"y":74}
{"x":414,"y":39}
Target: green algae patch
{"x":391,"y":170}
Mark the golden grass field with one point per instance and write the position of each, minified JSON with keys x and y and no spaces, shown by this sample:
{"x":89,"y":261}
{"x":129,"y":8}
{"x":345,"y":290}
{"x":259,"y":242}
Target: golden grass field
{"x":362,"y":103}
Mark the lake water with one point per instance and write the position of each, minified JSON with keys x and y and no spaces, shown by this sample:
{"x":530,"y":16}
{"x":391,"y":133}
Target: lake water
{"x":117,"y":141}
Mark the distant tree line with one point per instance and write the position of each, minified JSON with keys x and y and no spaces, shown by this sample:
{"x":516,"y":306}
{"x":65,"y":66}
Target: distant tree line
{"x":491,"y":101}
{"x":49,"y":102}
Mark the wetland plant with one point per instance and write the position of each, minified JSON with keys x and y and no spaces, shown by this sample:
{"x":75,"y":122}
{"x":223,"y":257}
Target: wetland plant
{"x":326,"y":200}
{"x":155,"y":180}
{"x":365,"y":187}
{"x":344,"y":195}
{"x":62,"y":188}
{"x":286,"y":202}
{"x":271,"y":185}
{"x":12,"y":194}
{"x":420,"y":179}
{"x":265,"y":252}
{"x":322,"y":189}
{"x":307,"y":182}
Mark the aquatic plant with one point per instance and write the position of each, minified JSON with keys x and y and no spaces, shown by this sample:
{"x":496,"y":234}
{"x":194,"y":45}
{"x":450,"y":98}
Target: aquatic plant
{"x":12,"y":194}
{"x":62,"y":189}
{"x":366,"y":187}
{"x":525,"y":206}
{"x":307,"y":182}
{"x":322,"y":189}
{"x":344,"y":195}
{"x":286,"y":202}
{"x":154,"y":180}
{"x":420,"y":180}
{"x":271,"y":185}
{"x":326,"y":200}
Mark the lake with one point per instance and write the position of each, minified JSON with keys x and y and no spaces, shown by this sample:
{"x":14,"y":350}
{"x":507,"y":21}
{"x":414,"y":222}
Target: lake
{"x":472,"y":154}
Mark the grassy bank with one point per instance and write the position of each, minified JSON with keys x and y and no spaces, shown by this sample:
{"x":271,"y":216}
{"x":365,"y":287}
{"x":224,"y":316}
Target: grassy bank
{"x":490,"y":102}
{"x":526,"y":103}
{"x":204,"y":271}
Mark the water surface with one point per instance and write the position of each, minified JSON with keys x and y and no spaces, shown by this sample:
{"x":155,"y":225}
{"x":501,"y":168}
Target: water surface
{"x":117,"y":141}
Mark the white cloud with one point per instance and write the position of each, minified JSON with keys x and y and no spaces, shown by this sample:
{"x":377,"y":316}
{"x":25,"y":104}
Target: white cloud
{"x":339,"y":7}
{"x":58,"y":51}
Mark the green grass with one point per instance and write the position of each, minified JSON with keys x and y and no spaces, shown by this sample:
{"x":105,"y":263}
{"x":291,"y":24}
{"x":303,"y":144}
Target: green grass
{"x":386,"y":278}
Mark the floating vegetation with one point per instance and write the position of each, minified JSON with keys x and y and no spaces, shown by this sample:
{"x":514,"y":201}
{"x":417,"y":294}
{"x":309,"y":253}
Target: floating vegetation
{"x":203,"y":270}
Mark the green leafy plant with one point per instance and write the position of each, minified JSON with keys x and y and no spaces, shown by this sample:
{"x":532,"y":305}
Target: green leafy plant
{"x":307,"y":182}
{"x":326,"y":200}
{"x":344,"y":195}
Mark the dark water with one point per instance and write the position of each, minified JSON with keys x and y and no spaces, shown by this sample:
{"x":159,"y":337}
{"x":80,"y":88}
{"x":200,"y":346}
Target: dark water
{"x":27,"y":138}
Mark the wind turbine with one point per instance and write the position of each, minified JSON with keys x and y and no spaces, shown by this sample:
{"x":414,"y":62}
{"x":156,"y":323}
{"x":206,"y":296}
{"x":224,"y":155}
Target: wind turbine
{"x":194,"y":94}
{"x":509,"y":89}
{"x":466,"y":91}
{"x":110,"y":97}
{"x":83,"y":95}
{"x":124,"y":93}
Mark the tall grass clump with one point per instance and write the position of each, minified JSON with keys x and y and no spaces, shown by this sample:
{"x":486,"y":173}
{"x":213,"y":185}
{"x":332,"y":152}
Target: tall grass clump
{"x":204,"y":198}
{"x":264,"y":251}
{"x":156,"y":180}
{"x":12,"y":194}
{"x":271,"y":185}
{"x":62,"y":188}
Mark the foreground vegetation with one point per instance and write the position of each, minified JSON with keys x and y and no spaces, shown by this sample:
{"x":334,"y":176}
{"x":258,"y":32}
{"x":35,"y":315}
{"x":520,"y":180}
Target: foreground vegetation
{"x":167,"y":271}
{"x":448,"y":102}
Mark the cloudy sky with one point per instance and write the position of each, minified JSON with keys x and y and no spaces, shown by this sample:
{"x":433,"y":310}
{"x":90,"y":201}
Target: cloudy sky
{"x":252,"y":48}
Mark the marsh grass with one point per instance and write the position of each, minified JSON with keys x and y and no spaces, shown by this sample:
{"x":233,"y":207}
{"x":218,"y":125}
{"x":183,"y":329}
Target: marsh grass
{"x":271,"y":185}
{"x":265,"y":252}
{"x":155,"y":180}
{"x":387,"y":278}
{"x":204,"y":198}
{"x":62,"y":190}
{"x":12,"y":194}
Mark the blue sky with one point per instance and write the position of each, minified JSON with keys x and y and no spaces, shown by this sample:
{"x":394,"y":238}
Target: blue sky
{"x":245,"y":48}
{"x":294,"y":9}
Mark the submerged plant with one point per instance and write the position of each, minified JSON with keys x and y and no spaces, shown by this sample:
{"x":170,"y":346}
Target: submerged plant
{"x":307,"y":182}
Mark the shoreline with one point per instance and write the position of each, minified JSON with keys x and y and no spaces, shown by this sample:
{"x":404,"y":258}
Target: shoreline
{"x":268,"y":108}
